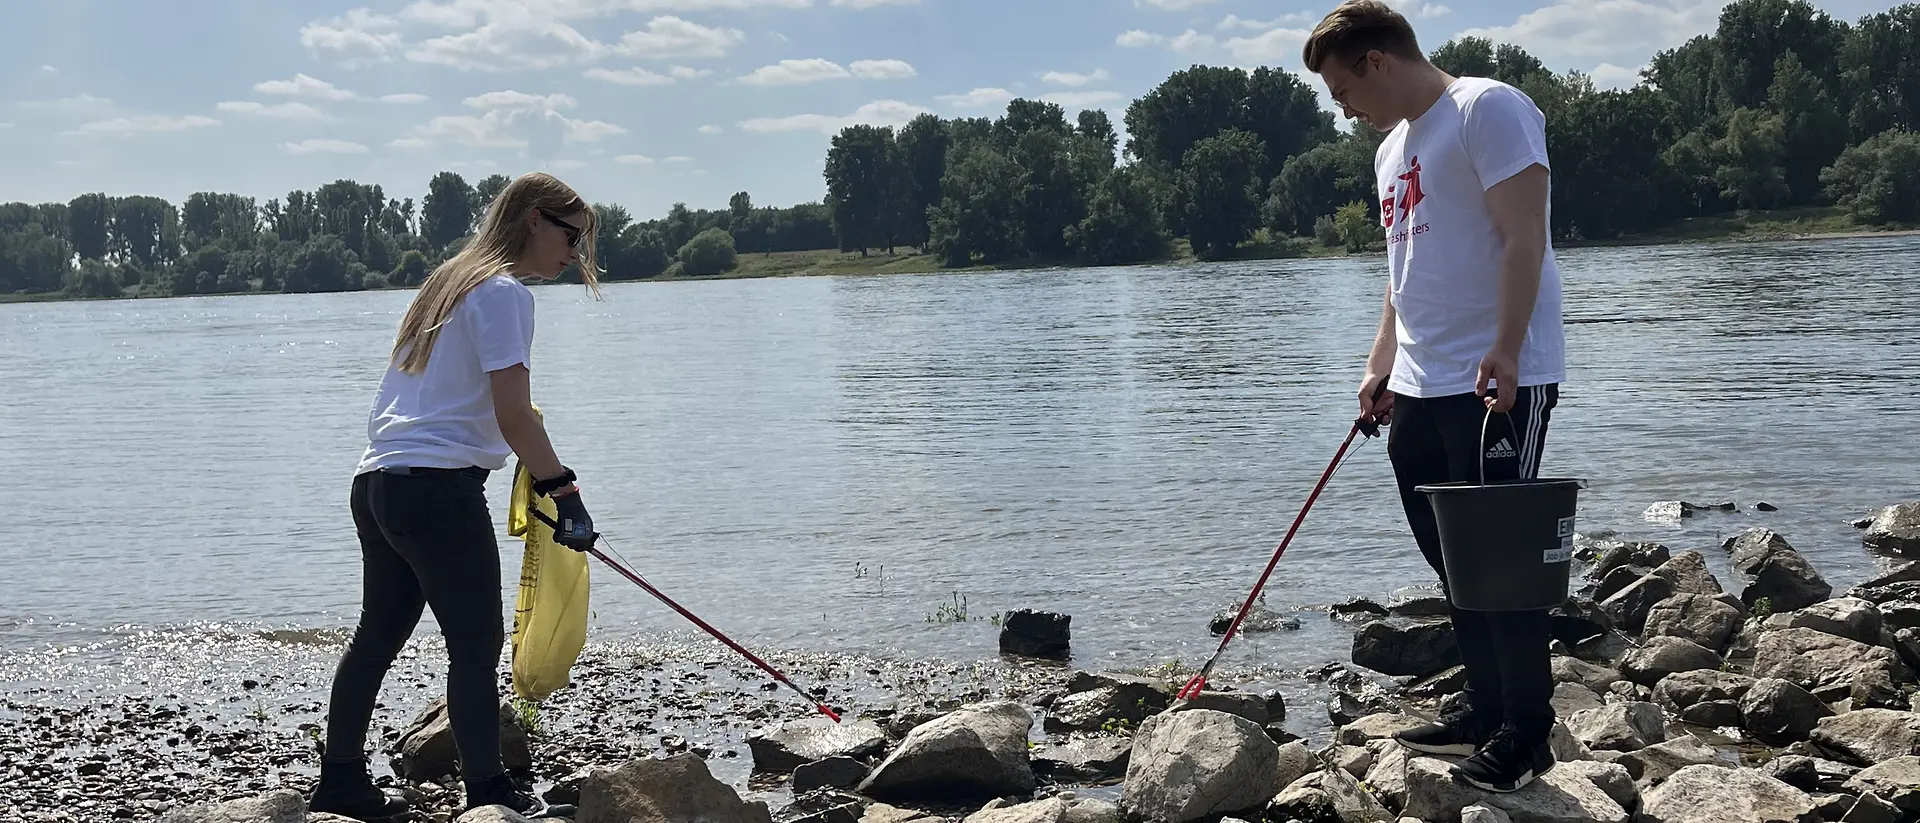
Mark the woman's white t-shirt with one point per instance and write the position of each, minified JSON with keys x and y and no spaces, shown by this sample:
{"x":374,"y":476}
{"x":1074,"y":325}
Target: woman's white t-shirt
{"x":443,"y":417}
{"x":1443,"y":249}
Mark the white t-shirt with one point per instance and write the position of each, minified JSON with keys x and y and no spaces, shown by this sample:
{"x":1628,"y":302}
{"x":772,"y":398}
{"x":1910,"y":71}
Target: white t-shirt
{"x":443,"y":416}
{"x":1443,"y":251}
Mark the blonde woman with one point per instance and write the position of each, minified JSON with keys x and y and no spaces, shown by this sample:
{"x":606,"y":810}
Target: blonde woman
{"x":453,"y":406}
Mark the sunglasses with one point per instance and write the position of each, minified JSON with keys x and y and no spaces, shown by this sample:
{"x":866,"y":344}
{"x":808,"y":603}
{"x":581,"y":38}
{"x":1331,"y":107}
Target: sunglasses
{"x":573,"y":232}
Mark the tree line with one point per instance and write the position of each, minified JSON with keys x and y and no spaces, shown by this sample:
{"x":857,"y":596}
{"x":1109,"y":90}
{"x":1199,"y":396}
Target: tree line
{"x":1780,"y":106}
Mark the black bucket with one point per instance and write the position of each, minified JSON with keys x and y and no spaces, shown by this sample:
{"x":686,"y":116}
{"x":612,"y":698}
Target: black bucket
{"x":1507,"y":545}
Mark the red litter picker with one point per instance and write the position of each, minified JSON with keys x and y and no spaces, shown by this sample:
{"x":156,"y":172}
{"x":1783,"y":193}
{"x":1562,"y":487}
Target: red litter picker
{"x":1362,"y":425}
{"x":716,"y":633}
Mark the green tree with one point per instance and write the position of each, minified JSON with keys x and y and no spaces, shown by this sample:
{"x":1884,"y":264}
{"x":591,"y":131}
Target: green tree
{"x":1813,"y":128}
{"x":1122,"y":223}
{"x":1221,"y":179}
{"x":708,"y":253}
{"x":861,"y":173}
{"x":1878,"y":181}
{"x":324,"y":264}
{"x":90,"y":221}
{"x":1314,"y":183}
{"x":1880,"y":75}
{"x":446,"y":214}
{"x":923,"y":143}
{"x":1051,"y":198}
{"x":413,"y":269}
{"x":485,"y":192}
{"x":1189,"y":106}
{"x":1357,"y":227}
{"x":1609,"y":173}
{"x":1749,"y":172}
{"x":980,"y":212}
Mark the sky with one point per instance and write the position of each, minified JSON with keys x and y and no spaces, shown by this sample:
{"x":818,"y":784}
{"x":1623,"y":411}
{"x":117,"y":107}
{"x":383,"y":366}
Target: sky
{"x":643,"y":103}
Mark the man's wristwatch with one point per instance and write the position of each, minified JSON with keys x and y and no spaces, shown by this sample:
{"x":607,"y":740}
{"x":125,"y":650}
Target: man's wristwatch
{"x":564,"y":480}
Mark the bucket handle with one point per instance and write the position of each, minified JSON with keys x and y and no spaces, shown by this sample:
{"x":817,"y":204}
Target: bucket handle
{"x":1483,"y":439}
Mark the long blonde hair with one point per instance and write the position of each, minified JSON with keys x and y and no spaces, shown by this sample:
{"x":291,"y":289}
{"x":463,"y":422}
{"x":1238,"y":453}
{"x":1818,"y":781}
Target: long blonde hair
{"x":494,"y":249}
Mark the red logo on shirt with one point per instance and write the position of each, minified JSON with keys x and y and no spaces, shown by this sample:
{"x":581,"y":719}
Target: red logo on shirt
{"x":1409,"y":197}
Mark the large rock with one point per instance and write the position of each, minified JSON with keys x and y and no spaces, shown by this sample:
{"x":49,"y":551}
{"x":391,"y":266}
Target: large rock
{"x":1146,"y":692}
{"x":1777,"y":712}
{"x":1863,"y":809}
{"x":1591,"y":675}
{"x":1700,"y":618}
{"x":977,"y":752}
{"x":1868,"y":736}
{"x":1906,"y":572}
{"x":1091,"y":710}
{"x":1353,"y":695}
{"x":1832,"y":667}
{"x":426,"y":750}
{"x":784,"y":747}
{"x":1057,"y":809}
{"x":1614,"y":554}
{"x":1849,"y":617}
{"x":1566,"y":793}
{"x":1418,"y":601}
{"x":1192,"y":765}
{"x":1664,"y":656}
{"x":822,"y":806}
{"x":1688,"y":573}
{"x":1897,"y":781}
{"x":1245,"y":704}
{"x":1084,"y":761}
{"x":1628,"y":607}
{"x":1327,"y":795}
{"x":1375,"y":727}
{"x":831,"y":773}
{"x":484,"y":814}
{"x":1619,"y":727}
{"x":1569,"y":698}
{"x":1406,"y":648}
{"x":1900,"y":614}
{"x":652,"y":790}
{"x":1577,"y":620}
{"x":1654,"y":764}
{"x":1895,"y":530}
{"x":1718,"y":793}
{"x":283,"y":806}
{"x":1678,"y":691}
{"x":1259,"y":619}
{"x":1043,"y":635}
{"x":1772,"y":569}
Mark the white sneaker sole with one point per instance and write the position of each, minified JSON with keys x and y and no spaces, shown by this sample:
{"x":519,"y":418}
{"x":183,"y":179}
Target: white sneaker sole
{"x":1459,"y":749}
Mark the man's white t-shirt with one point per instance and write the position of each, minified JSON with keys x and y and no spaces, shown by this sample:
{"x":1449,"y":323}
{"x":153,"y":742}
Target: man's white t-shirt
{"x":1443,"y":251}
{"x":443,"y":417}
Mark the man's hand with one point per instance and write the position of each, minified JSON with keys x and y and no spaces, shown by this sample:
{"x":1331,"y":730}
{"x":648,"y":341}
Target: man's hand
{"x":1379,"y":411}
{"x":1502,"y":367}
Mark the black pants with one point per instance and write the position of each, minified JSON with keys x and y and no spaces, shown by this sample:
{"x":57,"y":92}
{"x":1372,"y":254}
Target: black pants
{"x":1438,"y":440}
{"x":426,"y":539}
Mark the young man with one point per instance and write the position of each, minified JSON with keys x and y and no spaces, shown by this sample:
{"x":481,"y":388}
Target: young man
{"x":1470,"y":334}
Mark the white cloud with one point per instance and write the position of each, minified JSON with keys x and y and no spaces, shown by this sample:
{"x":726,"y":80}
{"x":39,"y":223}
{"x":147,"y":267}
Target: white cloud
{"x":1064,"y":78}
{"x":529,"y":43}
{"x":1610,"y":76}
{"x":868,"y":4}
{"x":1274,"y":46}
{"x":877,"y":113}
{"x":324,"y":146}
{"x":304,"y":86}
{"x":1621,"y":32}
{"x":670,"y":37}
{"x":1426,"y":9}
{"x":1137,"y":39}
{"x":881,"y":69}
{"x":357,"y":38}
{"x":488,"y":131}
{"x":76,"y":103}
{"x":519,"y":100}
{"x":633,"y":160}
{"x":1081,"y":99}
{"x":1233,"y":21}
{"x":1186,"y":42}
{"x":588,"y":131}
{"x":48,"y":69}
{"x":481,"y":165}
{"x":462,"y":14}
{"x":685,"y":73}
{"x":795,"y":72}
{"x":678,"y":158}
{"x":566,"y":165}
{"x":1172,"y":5}
{"x":978,"y":98}
{"x":406,"y":97}
{"x":711,"y":129}
{"x":408,"y":143}
{"x":635,"y":76}
{"x":283,"y":111}
{"x":147,"y":123}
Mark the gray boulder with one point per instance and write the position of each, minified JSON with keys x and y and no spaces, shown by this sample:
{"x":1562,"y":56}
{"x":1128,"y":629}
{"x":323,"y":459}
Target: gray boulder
{"x":1772,"y":569}
{"x":1063,"y":808}
{"x":1570,"y":698}
{"x":1868,"y":736}
{"x":1619,"y":727}
{"x":484,"y":814}
{"x":1406,"y":648}
{"x":283,"y":806}
{"x":1375,"y":727}
{"x":1652,"y":765}
{"x":830,"y":773}
{"x":1676,"y":692}
{"x":1777,"y":712}
{"x":979,"y":752}
{"x":1566,"y":793}
{"x":1702,"y":793}
{"x":426,"y":751}
{"x":1090,"y":710}
{"x":1628,"y":607}
{"x":1662,"y":657}
{"x":674,"y":788}
{"x":1084,"y":761}
{"x":1043,"y":635}
{"x":1895,"y":530}
{"x":1148,"y":692}
{"x":786,"y":746}
{"x":1700,"y":618}
{"x":1591,"y":675}
{"x":1191,"y":765}
{"x":1832,"y":667}
{"x":1328,"y":794}
{"x":1897,"y":781}
{"x":1688,"y":573}
{"x":1245,"y":704}
{"x":1849,"y":617}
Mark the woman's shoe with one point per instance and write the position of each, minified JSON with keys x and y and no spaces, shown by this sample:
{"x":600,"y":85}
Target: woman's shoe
{"x":499,"y":790}
{"x":346,"y":789}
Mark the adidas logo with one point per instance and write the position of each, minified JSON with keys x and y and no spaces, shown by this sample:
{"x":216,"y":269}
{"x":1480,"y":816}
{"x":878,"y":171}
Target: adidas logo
{"x":1504,"y":448}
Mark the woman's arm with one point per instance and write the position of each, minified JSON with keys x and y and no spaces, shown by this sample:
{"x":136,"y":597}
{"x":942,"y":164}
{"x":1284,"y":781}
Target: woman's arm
{"x":513,"y":409}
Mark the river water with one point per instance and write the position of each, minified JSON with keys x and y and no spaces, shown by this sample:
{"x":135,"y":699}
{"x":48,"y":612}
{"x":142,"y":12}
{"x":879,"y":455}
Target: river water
{"x":824,"y":463}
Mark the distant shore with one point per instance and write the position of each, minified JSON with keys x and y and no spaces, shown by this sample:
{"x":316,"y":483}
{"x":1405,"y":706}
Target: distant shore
{"x":1817,"y":223}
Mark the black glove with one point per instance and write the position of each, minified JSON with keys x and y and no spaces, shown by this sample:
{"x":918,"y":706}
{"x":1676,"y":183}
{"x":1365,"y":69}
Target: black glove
{"x":576,"y":528}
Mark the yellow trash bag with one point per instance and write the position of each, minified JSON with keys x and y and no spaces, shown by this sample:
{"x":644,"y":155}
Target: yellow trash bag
{"x":550,"y":615}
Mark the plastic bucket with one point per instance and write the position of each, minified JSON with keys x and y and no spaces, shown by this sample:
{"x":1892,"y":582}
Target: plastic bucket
{"x":1507,"y":545}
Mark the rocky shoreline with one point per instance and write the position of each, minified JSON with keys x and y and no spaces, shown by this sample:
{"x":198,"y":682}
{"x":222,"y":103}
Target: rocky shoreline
{"x":1680,"y":698}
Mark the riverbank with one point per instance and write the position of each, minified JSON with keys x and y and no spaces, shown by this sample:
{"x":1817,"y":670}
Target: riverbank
{"x":1810,"y":223}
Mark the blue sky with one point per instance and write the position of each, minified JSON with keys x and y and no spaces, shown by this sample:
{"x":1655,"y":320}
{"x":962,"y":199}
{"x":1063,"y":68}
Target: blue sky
{"x":637,"y":102}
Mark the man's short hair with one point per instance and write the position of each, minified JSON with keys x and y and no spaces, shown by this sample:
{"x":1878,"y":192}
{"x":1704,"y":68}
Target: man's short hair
{"x":1356,"y":27}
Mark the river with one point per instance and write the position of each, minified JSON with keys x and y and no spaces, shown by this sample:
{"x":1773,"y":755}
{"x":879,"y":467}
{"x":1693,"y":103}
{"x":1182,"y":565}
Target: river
{"x":823,"y":463}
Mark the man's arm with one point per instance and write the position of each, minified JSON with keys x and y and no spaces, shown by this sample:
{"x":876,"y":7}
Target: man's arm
{"x":1380,"y":362}
{"x":1518,"y":206}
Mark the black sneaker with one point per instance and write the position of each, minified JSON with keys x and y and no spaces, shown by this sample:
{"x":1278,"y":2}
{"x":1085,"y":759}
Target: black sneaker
{"x":1458,"y":733}
{"x":1509,"y":762}
{"x":499,"y":790}
{"x":346,"y":789}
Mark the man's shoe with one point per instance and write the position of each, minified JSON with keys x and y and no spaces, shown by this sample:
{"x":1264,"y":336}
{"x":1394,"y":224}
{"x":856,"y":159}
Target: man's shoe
{"x":346,"y":789}
{"x":1461,"y":732}
{"x":499,"y":790}
{"x":1508,"y":762}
